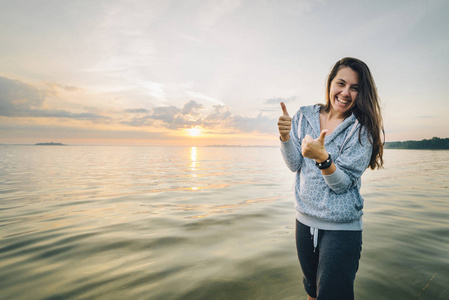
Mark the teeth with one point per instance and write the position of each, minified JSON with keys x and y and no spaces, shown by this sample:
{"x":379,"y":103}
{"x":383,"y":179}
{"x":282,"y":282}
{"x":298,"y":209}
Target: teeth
{"x":343,"y":101}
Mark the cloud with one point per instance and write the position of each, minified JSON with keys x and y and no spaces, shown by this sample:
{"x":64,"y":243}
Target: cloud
{"x":260,"y":123}
{"x":170,"y":117}
{"x":222,"y":118}
{"x":203,"y":97}
{"x":66,"y":114}
{"x":191,"y":107}
{"x":216,"y":119}
{"x":166,"y":114}
{"x":54,"y":86}
{"x":18,"y":99}
{"x":138,"y":110}
{"x":277,"y":100}
{"x":220,"y":113}
{"x":154,"y":89}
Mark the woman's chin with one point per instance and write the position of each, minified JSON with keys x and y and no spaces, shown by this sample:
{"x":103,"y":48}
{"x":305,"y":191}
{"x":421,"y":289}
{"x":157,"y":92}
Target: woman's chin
{"x":340,"y":107}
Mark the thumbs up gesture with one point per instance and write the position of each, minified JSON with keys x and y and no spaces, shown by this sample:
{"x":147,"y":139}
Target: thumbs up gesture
{"x":314,"y":148}
{"x":284,"y":124}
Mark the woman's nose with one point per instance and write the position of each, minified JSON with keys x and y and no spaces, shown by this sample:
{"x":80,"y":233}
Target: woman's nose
{"x":345,"y":91}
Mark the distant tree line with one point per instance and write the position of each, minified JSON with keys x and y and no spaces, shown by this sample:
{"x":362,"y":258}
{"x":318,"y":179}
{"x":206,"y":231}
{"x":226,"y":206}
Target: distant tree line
{"x":433,"y":144}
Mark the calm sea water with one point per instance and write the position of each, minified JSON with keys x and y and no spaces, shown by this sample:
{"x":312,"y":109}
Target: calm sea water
{"x":203,"y":223}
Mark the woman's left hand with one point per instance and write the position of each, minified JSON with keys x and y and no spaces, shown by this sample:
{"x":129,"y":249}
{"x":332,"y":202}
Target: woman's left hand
{"x":314,"y":149}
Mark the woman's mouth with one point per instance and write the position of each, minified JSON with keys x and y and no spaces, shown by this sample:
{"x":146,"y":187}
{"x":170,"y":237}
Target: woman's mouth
{"x":342,"y":101}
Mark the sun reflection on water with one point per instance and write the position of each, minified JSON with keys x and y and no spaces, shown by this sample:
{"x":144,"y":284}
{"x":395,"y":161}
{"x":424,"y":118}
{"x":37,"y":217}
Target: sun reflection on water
{"x":193,"y":158}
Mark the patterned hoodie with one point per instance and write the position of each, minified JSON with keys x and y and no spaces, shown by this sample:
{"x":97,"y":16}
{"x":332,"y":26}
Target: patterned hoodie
{"x":329,"y":202}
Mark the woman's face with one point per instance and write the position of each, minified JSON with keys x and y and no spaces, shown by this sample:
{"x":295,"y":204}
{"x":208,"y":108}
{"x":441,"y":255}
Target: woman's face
{"x":344,"y":90}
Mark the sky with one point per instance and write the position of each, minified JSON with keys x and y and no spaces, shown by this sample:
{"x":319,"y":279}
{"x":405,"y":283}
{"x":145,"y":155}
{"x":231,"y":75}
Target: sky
{"x":211,"y":72}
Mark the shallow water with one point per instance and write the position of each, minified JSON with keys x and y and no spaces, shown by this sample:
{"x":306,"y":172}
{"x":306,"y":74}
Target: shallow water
{"x":203,"y":223}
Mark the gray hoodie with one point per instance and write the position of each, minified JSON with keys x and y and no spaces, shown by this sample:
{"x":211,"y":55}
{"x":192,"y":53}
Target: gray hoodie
{"x":329,"y":202}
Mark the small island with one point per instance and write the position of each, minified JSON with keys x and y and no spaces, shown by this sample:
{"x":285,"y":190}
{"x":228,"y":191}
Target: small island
{"x":50,"y":144}
{"x":432,"y":144}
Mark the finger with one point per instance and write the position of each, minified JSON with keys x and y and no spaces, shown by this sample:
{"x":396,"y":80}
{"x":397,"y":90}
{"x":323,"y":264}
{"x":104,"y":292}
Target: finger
{"x":304,"y":147}
{"x":285,"y":123}
{"x":322,"y":135}
{"x":308,"y":138}
{"x":284,"y":126}
{"x":285,"y":118}
{"x":284,"y":109}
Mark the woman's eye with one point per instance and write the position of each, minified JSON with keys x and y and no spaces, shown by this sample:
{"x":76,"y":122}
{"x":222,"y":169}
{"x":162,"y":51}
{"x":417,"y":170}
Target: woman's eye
{"x":340,"y":83}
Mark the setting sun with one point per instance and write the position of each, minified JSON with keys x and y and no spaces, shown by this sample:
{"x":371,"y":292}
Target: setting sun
{"x":194,"y":131}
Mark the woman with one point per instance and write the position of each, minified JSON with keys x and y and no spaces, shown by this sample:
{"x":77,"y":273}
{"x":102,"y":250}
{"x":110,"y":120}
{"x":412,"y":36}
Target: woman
{"x":329,"y":147}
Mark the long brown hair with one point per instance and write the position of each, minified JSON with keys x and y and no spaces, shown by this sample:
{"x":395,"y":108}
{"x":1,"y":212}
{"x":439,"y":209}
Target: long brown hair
{"x":367,"y":107}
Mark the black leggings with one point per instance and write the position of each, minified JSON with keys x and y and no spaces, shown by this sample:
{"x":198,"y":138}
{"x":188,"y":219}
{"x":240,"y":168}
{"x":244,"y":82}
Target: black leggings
{"x":329,"y":270}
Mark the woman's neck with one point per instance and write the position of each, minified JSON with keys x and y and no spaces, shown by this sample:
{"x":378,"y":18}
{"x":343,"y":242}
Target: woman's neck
{"x":332,"y":115}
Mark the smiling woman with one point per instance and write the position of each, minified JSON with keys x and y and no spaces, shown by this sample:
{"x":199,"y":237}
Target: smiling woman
{"x":352,"y":105}
{"x":194,"y":131}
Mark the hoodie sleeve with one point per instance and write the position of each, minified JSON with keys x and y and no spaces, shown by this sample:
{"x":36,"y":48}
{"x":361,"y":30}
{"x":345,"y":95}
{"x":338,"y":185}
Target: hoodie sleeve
{"x":291,"y":149}
{"x":352,"y":162}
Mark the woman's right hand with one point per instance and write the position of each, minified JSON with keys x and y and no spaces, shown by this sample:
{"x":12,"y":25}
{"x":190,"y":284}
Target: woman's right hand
{"x":284,"y":124}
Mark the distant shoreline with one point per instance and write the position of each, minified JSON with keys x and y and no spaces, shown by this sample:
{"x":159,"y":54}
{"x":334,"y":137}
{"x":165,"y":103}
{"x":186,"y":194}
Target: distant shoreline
{"x":427,"y":144}
{"x":50,"y":144}
{"x":432,"y":144}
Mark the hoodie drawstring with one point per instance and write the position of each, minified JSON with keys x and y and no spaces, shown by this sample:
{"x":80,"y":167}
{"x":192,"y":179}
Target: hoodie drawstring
{"x":314,"y":233}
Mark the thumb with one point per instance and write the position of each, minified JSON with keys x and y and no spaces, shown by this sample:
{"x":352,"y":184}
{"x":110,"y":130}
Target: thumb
{"x":322,"y":135}
{"x":284,"y":109}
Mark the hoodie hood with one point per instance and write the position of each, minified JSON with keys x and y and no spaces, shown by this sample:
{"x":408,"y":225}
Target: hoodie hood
{"x":312,"y":115}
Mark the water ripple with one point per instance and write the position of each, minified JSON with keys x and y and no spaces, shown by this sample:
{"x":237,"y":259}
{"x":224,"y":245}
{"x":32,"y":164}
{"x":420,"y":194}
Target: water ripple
{"x":184,"y":223}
